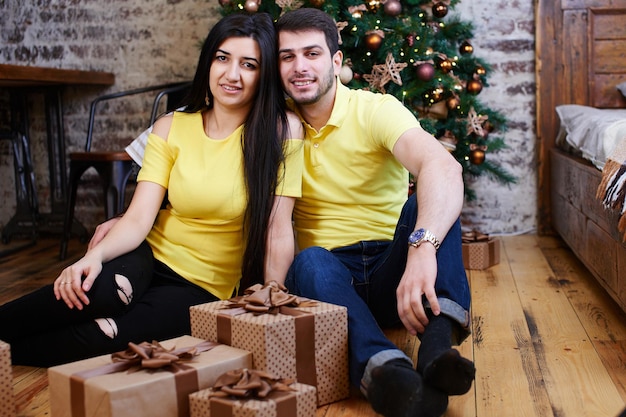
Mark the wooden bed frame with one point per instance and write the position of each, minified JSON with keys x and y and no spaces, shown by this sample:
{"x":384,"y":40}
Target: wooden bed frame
{"x":581,"y":57}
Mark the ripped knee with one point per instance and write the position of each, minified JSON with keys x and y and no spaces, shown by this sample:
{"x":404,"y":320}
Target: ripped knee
{"x":124,"y":289}
{"x":108,"y":327}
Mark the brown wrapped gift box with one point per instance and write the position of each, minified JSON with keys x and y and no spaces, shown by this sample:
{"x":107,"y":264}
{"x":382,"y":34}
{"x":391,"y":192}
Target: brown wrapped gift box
{"x":321,"y":348}
{"x":144,"y":393}
{"x":481,"y":255}
{"x":7,"y":400}
{"x":298,"y":403}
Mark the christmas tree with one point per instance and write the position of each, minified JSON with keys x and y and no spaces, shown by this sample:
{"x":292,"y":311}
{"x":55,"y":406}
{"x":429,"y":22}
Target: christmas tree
{"x":419,"y":52}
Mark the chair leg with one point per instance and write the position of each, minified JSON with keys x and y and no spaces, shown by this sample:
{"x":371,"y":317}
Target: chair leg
{"x":76,"y":171}
{"x":114,"y":190}
{"x":113,"y":176}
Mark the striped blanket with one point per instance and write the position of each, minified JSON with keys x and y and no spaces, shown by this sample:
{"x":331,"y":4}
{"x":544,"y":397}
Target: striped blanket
{"x":612,"y":188}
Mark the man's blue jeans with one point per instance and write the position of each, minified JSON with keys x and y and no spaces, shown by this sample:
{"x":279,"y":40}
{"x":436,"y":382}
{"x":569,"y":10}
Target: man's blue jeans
{"x":364,"y":277}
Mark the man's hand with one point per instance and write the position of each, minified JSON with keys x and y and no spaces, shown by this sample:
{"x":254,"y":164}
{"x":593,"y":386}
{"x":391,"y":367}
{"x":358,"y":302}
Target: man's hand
{"x":101,"y":231}
{"x":418,"y":280}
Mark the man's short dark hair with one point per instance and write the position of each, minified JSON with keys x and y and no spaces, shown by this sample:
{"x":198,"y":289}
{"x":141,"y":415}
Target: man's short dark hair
{"x":307,"y":18}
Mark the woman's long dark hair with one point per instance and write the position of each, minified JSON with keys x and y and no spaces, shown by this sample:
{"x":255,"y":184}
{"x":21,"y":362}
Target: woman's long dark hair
{"x":265,"y":129}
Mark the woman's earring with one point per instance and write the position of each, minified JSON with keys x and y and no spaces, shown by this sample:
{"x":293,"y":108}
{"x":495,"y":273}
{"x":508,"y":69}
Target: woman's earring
{"x":206,"y":99}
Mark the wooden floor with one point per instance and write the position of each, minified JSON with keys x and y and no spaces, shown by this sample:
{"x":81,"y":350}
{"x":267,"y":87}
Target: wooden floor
{"x":547,"y":340}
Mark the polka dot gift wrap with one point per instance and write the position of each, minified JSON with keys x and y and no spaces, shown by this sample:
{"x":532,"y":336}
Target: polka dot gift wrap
{"x":309,"y":343}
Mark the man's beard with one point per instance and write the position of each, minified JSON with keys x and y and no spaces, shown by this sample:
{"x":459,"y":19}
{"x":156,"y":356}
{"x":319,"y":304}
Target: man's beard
{"x":325,"y":85}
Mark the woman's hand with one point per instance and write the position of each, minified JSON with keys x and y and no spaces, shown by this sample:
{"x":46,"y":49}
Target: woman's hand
{"x":70,"y":286}
{"x":101,"y":231}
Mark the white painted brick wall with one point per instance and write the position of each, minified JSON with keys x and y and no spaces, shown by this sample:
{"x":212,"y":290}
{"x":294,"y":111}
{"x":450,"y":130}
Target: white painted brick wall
{"x":152,"y":41}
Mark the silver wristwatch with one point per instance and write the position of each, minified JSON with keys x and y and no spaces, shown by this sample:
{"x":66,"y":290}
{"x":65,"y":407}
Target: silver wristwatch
{"x":423,"y":235}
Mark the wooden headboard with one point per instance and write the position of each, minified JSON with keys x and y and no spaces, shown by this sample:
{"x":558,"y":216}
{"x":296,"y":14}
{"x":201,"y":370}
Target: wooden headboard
{"x":580,"y":58}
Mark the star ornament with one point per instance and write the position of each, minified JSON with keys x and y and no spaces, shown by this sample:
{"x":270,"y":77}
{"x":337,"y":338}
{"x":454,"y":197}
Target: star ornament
{"x":475,"y":123}
{"x":383,"y":73}
{"x":289,"y":4}
{"x":340,"y":27}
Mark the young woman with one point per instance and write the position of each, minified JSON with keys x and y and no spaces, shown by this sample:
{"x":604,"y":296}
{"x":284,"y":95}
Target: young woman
{"x":231,"y":164}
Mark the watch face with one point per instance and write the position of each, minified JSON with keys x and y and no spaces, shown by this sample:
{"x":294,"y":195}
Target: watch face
{"x":417,"y":235}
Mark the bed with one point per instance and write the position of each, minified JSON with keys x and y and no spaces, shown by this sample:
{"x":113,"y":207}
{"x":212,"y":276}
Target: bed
{"x":581,"y":61}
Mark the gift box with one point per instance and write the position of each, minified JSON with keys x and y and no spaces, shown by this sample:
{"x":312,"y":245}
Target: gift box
{"x":117,"y":386}
{"x":480,"y":251}
{"x":308,"y":342}
{"x":290,"y":400}
{"x":7,"y":400}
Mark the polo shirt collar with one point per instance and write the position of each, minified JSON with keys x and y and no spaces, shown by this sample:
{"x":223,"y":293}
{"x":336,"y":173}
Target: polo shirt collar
{"x":340,"y":107}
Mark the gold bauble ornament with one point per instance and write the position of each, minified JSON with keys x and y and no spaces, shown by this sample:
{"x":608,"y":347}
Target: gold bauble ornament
{"x":373,"y":41}
{"x":474,"y":87}
{"x":445,"y":65}
{"x":453,"y":102}
{"x":466,"y":48}
{"x":440,"y":9}
{"x":346,"y":74}
{"x":373,"y":5}
{"x":477,"y":156}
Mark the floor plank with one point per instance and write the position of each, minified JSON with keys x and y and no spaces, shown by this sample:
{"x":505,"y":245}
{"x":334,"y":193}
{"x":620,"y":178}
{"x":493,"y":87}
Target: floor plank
{"x":601,"y":317}
{"x":574,"y":375}
{"x":547,"y":339}
{"x":508,"y":374}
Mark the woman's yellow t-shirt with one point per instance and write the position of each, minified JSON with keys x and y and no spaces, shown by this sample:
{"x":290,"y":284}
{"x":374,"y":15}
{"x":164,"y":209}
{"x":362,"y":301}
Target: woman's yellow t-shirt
{"x":199,"y":234}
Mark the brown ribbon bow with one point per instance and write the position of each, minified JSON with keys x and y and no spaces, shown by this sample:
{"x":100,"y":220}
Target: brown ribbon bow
{"x":267,"y":298}
{"x":474,"y":236}
{"x":154,"y":356}
{"x":249,"y":383}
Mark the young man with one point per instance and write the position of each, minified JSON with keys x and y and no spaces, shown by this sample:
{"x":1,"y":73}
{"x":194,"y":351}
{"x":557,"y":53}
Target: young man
{"x":363,"y":244}
{"x":353,"y":224}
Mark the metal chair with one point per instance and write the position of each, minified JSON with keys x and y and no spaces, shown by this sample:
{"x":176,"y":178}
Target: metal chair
{"x":114,"y":168}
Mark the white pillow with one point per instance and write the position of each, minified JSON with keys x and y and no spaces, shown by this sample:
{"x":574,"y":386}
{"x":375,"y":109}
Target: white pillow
{"x":622,"y":88}
{"x":594,"y":132}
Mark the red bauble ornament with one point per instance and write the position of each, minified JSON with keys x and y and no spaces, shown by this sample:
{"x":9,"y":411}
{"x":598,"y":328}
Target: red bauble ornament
{"x":425,"y":71}
{"x":373,"y":41}
{"x":317,"y":3}
{"x":466,"y":48}
{"x":393,"y":8}
{"x":474,"y":86}
{"x":440,"y":9}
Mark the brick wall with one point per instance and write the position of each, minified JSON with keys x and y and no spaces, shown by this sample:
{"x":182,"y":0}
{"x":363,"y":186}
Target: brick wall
{"x":505,"y":37}
{"x":142,"y":42}
{"x":153,"y":41}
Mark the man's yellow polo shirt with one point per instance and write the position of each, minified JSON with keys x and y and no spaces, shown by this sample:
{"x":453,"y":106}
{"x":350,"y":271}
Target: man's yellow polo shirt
{"x":353,"y":188}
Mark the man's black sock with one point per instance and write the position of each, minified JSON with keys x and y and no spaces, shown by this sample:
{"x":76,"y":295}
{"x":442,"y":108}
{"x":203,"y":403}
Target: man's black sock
{"x":397,"y":390}
{"x":441,"y":366}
